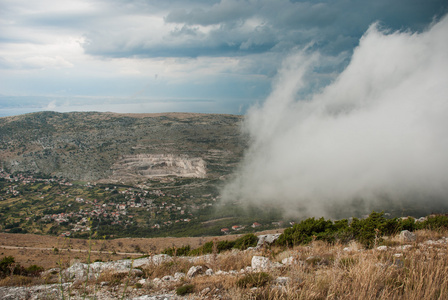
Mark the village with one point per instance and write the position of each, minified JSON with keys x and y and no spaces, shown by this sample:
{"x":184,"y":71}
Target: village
{"x":73,"y":208}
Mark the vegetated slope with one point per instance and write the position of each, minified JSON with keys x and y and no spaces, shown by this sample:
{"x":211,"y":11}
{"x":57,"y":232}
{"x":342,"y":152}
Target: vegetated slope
{"x":91,"y":145}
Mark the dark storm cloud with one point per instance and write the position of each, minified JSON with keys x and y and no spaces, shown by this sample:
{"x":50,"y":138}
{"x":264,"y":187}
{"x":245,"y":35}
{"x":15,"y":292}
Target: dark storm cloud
{"x":244,"y":28}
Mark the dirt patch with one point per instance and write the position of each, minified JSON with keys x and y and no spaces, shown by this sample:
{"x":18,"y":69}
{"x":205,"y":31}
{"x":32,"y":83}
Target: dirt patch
{"x":30,"y":249}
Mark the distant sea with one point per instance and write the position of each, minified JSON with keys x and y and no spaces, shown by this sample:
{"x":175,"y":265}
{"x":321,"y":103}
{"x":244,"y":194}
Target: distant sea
{"x":11,"y":105}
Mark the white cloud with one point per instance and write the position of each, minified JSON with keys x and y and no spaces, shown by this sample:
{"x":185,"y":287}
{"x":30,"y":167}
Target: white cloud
{"x":378,"y":133}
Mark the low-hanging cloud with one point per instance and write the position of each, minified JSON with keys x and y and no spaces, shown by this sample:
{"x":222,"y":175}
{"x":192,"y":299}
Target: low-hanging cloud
{"x":376,"y":136}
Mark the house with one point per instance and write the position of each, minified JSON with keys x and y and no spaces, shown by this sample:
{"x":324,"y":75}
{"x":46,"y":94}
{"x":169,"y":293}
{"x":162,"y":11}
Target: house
{"x":256,"y":224}
{"x":225,"y":230}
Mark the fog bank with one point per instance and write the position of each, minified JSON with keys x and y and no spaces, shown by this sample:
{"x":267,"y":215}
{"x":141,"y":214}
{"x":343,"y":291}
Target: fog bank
{"x":376,"y":137}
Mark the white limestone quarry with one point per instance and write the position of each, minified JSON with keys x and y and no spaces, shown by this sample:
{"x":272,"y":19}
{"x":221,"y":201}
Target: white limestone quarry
{"x":155,"y":165}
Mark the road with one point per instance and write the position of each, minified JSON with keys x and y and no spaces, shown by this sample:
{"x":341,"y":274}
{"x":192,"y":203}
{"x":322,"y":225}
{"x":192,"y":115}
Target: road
{"x":70,"y":250}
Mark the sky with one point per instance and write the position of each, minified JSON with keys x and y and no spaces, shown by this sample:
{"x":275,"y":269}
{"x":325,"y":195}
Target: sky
{"x":208,"y":56}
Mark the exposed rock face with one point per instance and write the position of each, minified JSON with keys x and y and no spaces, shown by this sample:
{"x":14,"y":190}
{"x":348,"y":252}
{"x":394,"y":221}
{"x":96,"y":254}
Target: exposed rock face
{"x":51,"y":291}
{"x":79,"y":271}
{"x":151,"y":165}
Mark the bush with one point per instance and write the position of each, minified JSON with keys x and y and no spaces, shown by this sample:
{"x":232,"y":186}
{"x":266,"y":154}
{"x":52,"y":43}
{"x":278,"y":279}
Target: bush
{"x":254,"y":280}
{"x":181,"y":251}
{"x":207,"y":248}
{"x":242,"y":243}
{"x":246,"y":241}
{"x":185,"y":289}
{"x":366,"y":231}
{"x":435,"y":223}
{"x":309,"y":229}
{"x":34,"y":270}
{"x":6,"y":265}
{"x":407,"y":224}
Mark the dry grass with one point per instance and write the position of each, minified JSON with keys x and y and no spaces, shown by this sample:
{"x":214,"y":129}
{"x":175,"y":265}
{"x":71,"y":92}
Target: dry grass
{"x":322,"y":271}
{"x":420,"y":273}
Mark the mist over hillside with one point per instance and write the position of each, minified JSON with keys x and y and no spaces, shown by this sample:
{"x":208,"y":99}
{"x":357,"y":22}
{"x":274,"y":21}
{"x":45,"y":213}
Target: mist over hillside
{"x":373,"y":139}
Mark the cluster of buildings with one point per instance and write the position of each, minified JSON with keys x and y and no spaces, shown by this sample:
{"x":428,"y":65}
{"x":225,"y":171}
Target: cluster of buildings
{"x":27,"y":178}
{"x":121,"y":212}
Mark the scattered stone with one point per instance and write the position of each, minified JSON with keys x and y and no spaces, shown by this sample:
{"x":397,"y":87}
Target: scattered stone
{"x":260,"y":263}
{"x":219,"y":272}
{"x":195,"y":271}
{"x":158,"y":297}
{"x":51,"y":291}
{"x":209,"y":272}
{"x":179,"y":275}
{"x":168,"y":278}
{"x":205,"y":291}
{"x":282,"y":280}
{"x":140,"y":262}
{"x":407,"y":236}
{"x":161,"y":258}
{"x":381,"y":248}
{"x":398,"y":255}
{"x":267,"y":239}
{"x":406,"y":247}
{"x":289,"y":261}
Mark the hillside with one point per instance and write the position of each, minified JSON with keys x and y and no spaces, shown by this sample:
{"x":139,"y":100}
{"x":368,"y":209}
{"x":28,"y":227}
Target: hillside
{"x":114,"y":147}
{"x":141,"y":175}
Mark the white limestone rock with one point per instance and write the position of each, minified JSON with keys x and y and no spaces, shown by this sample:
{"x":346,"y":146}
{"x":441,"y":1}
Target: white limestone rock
{"x":260,"y":263}
{"x":406,"y":236}
{"x":195,"y":271}
{"x":267,"y":239}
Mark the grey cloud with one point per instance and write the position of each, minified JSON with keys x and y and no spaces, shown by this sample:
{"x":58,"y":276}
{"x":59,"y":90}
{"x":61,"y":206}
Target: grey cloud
{"x":331,"y":26}
{"x":222,"y":12}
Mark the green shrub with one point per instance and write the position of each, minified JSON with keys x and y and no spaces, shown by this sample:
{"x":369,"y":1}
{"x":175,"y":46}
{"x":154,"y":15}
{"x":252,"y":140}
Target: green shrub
{"x":254,"y":280}
{"x":5,"y":265}
{"x":181,"y":251}
{"x":34,"y":270}
{"x":246,"y":241}
{"x":366,"y":231}
{"x":309,"y":229}
{"x":185,"y":289}
{"x":207,"y":248}
{"x":435,"y":223}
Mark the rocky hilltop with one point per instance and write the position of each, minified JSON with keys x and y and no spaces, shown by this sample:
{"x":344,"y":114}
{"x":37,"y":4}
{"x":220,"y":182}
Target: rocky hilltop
{"x":121,"y":147}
